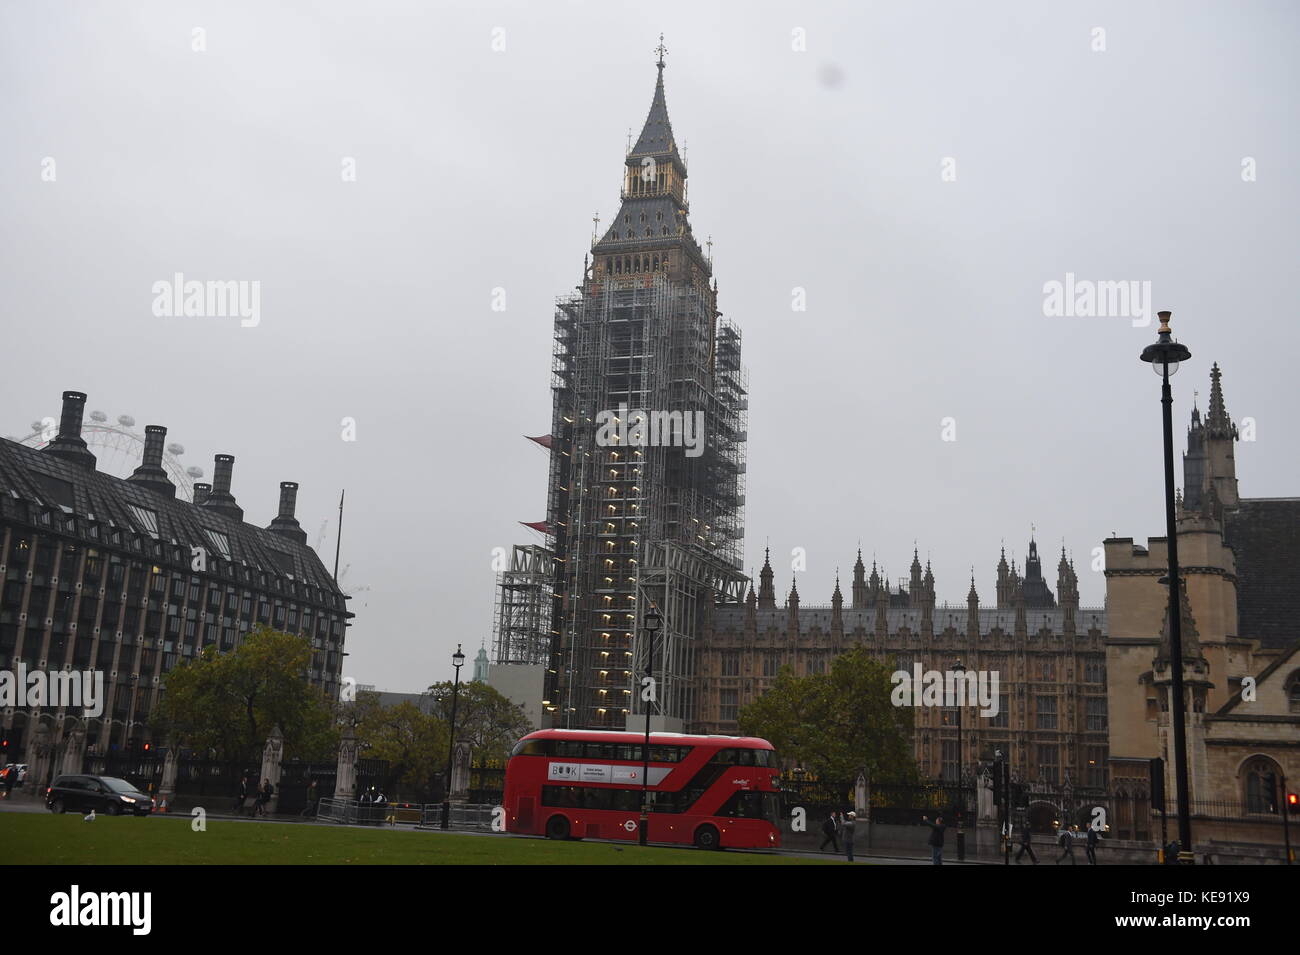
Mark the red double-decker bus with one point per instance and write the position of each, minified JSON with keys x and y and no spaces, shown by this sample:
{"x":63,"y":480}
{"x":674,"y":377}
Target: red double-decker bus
{"x":711,"y":791}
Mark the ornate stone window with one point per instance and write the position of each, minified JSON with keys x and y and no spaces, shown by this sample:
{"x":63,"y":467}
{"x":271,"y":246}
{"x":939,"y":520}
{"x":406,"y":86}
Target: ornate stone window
{"x":1293,"y":692}
{"x":1258,"y":790}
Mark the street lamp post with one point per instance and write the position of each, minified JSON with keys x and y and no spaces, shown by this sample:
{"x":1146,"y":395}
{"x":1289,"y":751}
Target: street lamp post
{"x":1164,"y":356}
{"x":651,"y":624}
{"x":960,"y":683}
{"x":457,"y":660}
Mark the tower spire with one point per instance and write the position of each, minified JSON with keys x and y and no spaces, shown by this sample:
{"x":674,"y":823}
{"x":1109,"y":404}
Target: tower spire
{"x":766,"y":592}
{"x":656,"y":137}
{"x":1217,"y":420}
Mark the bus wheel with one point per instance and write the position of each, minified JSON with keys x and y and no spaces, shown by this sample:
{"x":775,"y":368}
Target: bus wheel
{"x":557,"y":827}
{"x":706,"y":837}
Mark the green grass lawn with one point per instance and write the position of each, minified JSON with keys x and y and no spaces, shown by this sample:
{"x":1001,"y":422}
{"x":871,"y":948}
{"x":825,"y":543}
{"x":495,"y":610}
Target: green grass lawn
{"x":34,"y":839}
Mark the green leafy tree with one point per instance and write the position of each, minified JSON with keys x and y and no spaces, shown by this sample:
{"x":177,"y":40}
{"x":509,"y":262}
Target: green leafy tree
{"x":489,"y":720}
{"x":837,"y":724}
{"x":414,"y":743}
{"x":229,"y":702}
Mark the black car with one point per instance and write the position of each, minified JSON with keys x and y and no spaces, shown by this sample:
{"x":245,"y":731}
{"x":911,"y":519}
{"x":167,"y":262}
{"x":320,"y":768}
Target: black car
{"x":106,"y":794}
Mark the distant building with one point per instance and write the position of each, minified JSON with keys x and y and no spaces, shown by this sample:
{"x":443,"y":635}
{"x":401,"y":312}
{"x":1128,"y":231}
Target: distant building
{"x":118,"y":575}
{"x":523,"y":685}
{"x":1049,"y":654}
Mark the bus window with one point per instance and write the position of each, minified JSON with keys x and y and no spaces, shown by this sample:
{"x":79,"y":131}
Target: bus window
{"x":593,"y":798}
{"x":744,"y":805}
{"x":668,"y":754}
{"x":744,"y":757}
{"x":566,"y":797}
{"x":663,"y":802}
{"x":771,"y":804}
{"x":568,"y":747}
{"x":532,"y":747}
{"x":600,"y":751}
{"x":687,"y":798}
{"x":626,"y":800}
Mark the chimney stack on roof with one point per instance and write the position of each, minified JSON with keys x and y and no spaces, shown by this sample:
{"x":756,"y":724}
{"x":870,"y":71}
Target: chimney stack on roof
{"x":201,"y":491}
{"x":151,"y":473}
{"x":220,"y":499}
{"x":285,"y":524}
{"x":69,"y":444}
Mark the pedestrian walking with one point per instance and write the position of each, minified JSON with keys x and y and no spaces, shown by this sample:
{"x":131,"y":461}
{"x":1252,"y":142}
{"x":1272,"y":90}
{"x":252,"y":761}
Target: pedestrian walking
{"x":1066,"y":842}
{"x":936,"y":838}
{"x":264,"y":793}
{"x":1093,"y":839}
{"x":241,"y":795}
{"x":1025,"y":845}
{"x":830,"y":833}
{"x":310,"y":808}
{"x":847,"y":829}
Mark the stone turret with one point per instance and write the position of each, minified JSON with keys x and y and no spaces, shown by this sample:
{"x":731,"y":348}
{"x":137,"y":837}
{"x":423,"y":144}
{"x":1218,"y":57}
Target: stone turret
{"x":972,"y":610}
{"x":914,"y":589}
{"x":766,"y":592}
{"x":1003,"y":590}
{"x":859,"y":584}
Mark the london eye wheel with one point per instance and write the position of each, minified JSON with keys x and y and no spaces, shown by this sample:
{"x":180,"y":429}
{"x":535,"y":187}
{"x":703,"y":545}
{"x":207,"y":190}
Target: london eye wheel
{"x":119,"y":448}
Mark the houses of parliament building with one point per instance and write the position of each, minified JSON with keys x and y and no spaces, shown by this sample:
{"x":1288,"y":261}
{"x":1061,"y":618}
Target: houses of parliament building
{"x":1049,"y":652}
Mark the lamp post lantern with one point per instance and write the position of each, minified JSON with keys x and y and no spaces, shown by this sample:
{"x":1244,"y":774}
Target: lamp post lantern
{"x":457,"y":660}
{"x":651,"y":624}
{"x":1164,"y":356}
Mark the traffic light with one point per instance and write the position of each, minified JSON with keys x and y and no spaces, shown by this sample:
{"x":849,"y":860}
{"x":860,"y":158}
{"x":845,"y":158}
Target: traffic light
{"x":148,"y":746}
{"x":997,"y":783}
{"x":1292,"y":803}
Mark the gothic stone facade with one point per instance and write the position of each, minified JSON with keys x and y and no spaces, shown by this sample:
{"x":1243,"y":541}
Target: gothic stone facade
{"x":1240,"y":565}
{"x":1050,"y":655}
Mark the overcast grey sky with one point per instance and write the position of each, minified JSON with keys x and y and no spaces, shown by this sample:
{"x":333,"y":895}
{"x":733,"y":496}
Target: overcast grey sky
{"x":819,"y":169}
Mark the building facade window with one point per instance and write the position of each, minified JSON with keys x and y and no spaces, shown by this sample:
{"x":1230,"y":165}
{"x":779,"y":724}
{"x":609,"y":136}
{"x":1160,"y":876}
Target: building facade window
{"x":1046,"y":711}
{"x":731,"y":663}
{"x":1003,"y":718}
{"x":1094,"y":767}
{"x":1096,"y":713}
{"x":729,"y":709}
{"x":1049,"y":767}
{"x":949,"y":760}
{"x":1259,"y":779}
